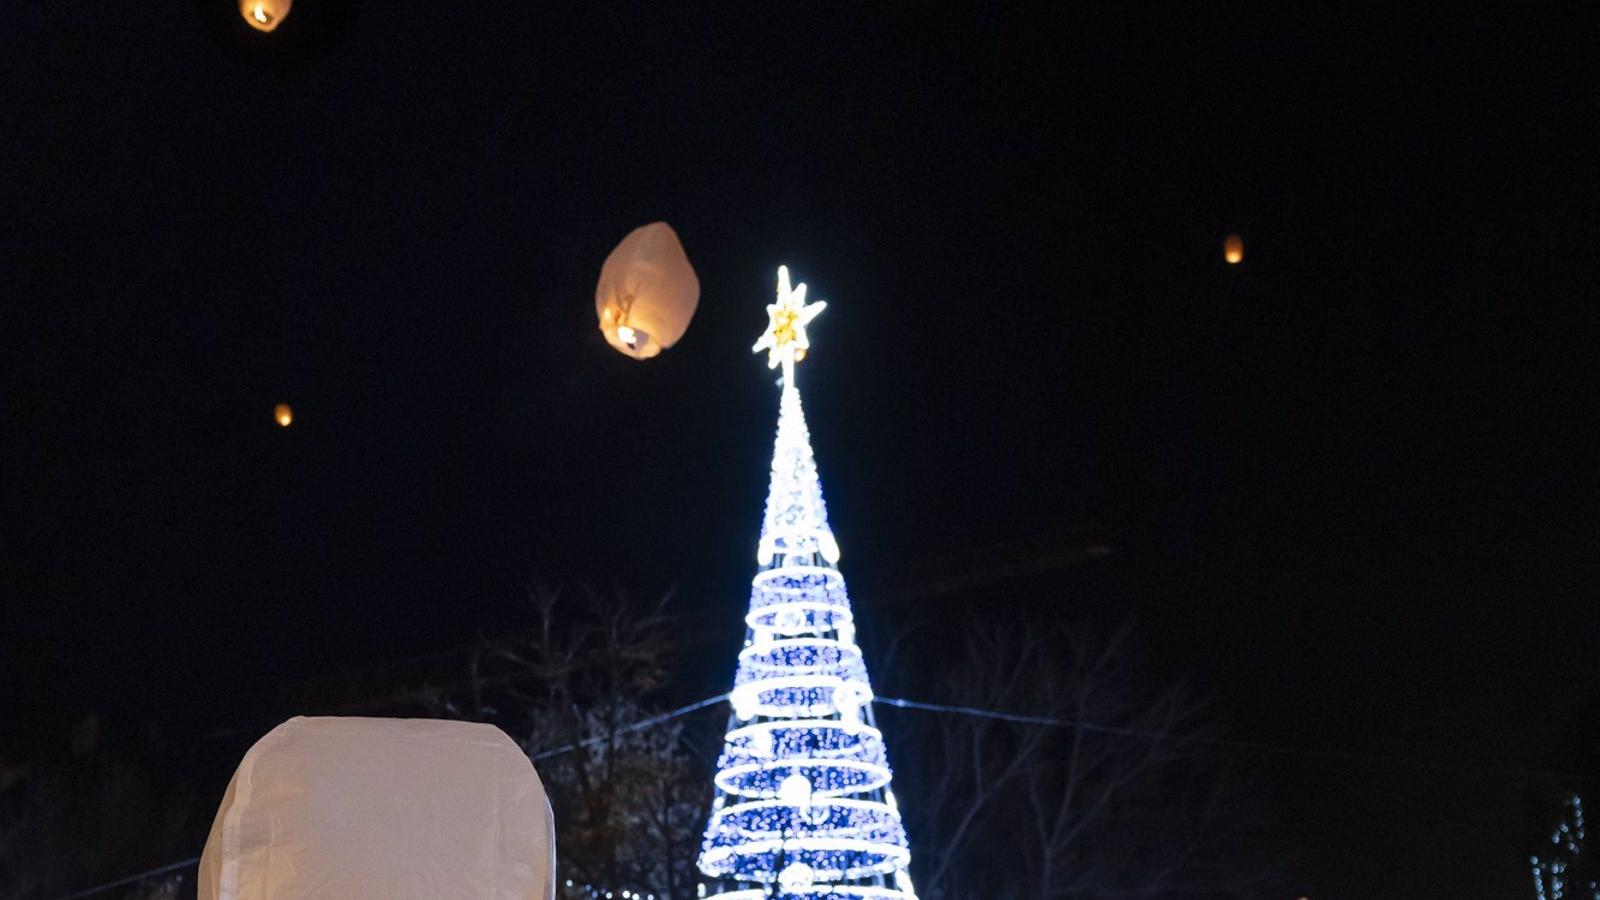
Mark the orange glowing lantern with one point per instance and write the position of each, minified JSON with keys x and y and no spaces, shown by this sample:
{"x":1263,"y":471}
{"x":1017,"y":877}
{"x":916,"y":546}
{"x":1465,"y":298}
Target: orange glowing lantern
{"x":1233,"y":250}
{"x":647,"y":292}
{"x":264,"y":15}
{"x":283,"y":413}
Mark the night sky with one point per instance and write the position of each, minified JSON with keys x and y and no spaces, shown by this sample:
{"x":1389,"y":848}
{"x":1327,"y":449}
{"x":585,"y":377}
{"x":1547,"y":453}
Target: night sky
{"x":1351,"y":483}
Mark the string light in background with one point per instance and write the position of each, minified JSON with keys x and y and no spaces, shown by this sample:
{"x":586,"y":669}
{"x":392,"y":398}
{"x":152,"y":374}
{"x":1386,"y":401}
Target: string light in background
{"x":1551,"y":876}
{"x":590,"y":892}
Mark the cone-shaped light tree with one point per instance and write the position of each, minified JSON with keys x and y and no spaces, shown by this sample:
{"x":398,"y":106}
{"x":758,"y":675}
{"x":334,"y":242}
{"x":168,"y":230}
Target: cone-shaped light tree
{"x":803,"y":808}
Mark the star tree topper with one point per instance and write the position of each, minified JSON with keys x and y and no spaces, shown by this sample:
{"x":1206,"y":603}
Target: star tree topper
{"x":785,"y":338}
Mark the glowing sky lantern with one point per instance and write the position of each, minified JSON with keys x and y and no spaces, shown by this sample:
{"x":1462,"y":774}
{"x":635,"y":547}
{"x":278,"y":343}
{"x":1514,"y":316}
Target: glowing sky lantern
{"x":647,"y":292}
{"x":264,"y":15}
{"x":283,"y":414}
{"x":1233,"y":249}
{"x":329,"y":807}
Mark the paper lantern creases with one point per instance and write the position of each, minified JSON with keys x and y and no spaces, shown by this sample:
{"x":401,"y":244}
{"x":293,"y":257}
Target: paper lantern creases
{"x":647,"y":293}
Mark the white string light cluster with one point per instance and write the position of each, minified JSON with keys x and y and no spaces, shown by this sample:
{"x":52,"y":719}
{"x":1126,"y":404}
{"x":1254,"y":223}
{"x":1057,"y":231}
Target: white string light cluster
{"x":1551,"y":876}
{"x":590,"y":892}
{"x":804,"y":807}
{"x":793,"y":598}
{"x":796,"y":520}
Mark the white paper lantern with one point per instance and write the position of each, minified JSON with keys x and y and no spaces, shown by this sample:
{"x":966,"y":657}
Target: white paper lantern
{"x":403,"y":809}
{"x":647,"y":292}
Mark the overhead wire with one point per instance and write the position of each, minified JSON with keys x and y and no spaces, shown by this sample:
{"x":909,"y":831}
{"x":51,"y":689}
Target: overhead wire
{"x":628,"y":729}
{"x":999,"y":715}
{"x":1262,"y":746}
{"x":131,"y":879}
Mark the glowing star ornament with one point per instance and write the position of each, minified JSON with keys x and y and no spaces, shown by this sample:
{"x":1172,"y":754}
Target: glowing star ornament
{"x":785,"y":339}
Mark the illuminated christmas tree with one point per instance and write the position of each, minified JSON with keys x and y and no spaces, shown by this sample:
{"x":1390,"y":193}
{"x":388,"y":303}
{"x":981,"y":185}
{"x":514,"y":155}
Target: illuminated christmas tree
{"x":803,"y":809}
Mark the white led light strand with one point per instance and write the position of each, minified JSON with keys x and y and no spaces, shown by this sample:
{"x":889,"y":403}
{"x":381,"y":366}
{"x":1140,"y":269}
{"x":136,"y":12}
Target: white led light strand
{"x":1551,"y":877}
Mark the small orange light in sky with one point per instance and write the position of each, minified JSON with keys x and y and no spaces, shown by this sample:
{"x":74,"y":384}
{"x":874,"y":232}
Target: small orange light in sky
{"x":283,"y":413}
{"x":264,"y":15}
{"x":1233,"y":249}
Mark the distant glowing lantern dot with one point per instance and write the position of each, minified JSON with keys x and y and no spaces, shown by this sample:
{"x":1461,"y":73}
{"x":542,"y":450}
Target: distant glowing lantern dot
{"x":283,"y":414}
{"x":1233,"y":250}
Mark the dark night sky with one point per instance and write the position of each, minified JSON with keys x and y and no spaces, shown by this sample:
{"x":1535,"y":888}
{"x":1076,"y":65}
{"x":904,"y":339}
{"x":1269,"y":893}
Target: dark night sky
{"x":1351,"y":482}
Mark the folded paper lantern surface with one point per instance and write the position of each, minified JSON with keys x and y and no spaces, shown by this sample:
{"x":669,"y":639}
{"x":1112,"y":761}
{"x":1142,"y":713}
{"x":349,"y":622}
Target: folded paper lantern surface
{"x":347,"y":808}
{"x":647,"y":292}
